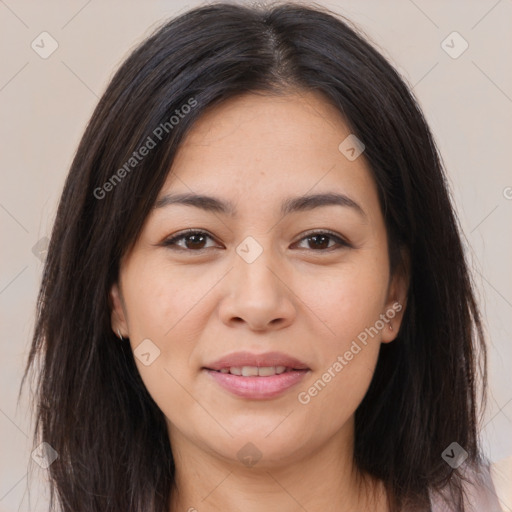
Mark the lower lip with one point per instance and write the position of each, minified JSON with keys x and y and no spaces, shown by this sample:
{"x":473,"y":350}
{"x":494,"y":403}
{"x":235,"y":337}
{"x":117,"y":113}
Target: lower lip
{"x":258,"y":388}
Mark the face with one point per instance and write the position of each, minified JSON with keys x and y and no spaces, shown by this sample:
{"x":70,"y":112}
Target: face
{"x":310,"y":281}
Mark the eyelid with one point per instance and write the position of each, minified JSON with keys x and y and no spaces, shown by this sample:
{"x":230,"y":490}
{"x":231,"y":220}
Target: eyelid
{"x":341,"y":241}
{"x":319,"y":231}
{"x":167,"y":242}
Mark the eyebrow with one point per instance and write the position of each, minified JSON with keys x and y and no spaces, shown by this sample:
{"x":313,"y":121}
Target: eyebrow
{"x":289,"y":205}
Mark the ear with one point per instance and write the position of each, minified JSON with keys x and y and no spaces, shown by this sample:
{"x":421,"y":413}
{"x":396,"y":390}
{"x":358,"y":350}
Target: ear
{"x":117,"y":315}
{"x":397,"y":299}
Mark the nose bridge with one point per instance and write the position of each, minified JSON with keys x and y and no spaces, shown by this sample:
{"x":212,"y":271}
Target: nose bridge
{"x":259,"y":296}
{"x":255,"y":264}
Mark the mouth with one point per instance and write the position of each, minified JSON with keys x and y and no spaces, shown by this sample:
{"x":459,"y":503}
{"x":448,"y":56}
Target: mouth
{"x":257,"y":387}
{"x":256,"y":371}
{"x":248,"y":364}
{"x":257,"y":376}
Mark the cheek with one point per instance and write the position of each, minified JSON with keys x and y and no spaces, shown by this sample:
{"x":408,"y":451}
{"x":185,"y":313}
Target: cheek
{"x":347,"y":301}
{"x":335,"y":393}
{"x":162,"y":299}
{"x":348,"y":354}
{"x":350,"y":303}
{"x":160,"y":308}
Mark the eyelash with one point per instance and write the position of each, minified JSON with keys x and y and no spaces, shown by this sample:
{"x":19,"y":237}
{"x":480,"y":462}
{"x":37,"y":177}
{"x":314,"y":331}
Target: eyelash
{"x":170,"y":242}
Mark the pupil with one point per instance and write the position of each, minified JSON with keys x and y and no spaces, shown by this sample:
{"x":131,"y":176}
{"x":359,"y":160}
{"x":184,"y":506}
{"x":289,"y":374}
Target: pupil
{"x":325,"y":238}
{"x":194,"y":240}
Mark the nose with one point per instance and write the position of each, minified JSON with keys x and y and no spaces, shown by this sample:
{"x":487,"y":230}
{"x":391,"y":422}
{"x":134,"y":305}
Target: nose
{"x":258,"y":295}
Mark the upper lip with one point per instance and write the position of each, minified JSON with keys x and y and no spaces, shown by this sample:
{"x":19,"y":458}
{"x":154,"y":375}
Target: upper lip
{"x":239,"y":359}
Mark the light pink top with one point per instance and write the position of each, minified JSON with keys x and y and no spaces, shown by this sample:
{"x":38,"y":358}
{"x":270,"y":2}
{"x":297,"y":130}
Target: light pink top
{"x":481,"y":494}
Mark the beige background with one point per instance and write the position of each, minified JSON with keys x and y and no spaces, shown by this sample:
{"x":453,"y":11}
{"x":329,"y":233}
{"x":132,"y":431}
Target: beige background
{"x":45,"y":104}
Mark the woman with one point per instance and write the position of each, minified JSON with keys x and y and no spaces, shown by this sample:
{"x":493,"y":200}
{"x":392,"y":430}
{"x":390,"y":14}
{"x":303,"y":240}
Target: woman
{"x":255,"y":295}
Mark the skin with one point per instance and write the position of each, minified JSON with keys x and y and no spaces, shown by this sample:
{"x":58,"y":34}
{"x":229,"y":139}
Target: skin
{"x":298,"y":297}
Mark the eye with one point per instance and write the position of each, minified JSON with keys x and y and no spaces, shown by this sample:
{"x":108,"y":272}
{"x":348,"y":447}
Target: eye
{"x":320,"y":241}
{"x":195,"y":241}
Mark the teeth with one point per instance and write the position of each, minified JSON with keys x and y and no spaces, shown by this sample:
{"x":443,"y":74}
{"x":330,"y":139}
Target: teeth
{"x":253,"y":371}
{"x":266,"y":371}
{"x":249,"y":371}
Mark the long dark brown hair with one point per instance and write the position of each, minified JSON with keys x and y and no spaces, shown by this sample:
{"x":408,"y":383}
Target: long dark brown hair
{"x":91,"y":405}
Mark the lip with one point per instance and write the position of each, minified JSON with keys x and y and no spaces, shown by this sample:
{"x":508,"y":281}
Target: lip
{"x":257,"y":388}
{"x":260,"y":360}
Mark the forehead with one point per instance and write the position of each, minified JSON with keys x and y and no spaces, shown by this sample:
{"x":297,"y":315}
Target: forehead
{"x":260,"y":148}
{"x":299,"y":122}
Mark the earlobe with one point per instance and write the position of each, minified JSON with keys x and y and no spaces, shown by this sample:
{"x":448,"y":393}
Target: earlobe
{"x":394,"y":313}
{"x":397,"y":300}
{"x":117,"y":315}
{"x":390,"y":331}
